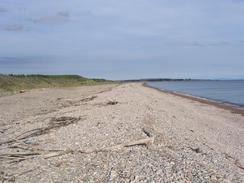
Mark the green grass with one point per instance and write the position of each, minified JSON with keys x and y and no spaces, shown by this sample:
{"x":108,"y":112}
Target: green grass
{"x":14,"y":83}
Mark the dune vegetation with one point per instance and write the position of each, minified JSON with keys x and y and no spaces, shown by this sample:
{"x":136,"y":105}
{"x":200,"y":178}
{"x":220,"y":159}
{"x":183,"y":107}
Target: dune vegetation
{"x":15,"y":83}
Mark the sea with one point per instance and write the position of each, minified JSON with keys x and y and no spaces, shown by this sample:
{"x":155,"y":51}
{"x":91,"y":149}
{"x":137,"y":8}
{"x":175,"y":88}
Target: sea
{"x":225,"y":91}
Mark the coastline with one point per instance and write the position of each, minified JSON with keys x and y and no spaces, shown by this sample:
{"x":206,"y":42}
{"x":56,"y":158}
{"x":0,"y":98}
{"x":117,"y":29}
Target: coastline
{"x":234,"y":108}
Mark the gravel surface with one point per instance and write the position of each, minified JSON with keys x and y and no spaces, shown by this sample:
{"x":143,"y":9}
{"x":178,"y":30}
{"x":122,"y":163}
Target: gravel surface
{"x":110,"y":133}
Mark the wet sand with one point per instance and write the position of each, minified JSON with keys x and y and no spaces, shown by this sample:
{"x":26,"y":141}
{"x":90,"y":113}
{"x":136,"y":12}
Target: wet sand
{"x":125,"y":133}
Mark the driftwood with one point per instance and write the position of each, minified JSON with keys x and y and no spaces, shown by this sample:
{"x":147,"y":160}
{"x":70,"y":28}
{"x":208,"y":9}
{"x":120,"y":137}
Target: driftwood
{"x":88,"y":99}
{"x":146,"y":142}
{"x":30,"y":152}
{"x":112,"y":102}
{"x":46,"y":154}
{"x":54,"y":123}
{"x":234,"y":160}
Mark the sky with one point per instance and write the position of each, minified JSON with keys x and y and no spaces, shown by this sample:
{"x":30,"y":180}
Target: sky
{"x":126,"y":39}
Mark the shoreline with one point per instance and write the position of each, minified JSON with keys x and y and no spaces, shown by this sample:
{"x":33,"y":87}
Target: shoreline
{"x":234,"y":108}
{"x":113,"y":127}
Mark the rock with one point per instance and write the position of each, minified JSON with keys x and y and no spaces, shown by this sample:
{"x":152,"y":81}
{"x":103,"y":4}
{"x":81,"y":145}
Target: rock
{"x":22,"y":91}
{"x":197,"y":149}
{"x":28,"y":141}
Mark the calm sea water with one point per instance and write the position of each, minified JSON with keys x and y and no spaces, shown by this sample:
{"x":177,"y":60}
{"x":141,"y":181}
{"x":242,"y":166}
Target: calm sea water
{"x":225,"y":91}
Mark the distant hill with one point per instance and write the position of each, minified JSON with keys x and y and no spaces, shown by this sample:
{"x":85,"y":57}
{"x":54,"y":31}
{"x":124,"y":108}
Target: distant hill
{"x":14,"y":83}
{"x":154,"y":79}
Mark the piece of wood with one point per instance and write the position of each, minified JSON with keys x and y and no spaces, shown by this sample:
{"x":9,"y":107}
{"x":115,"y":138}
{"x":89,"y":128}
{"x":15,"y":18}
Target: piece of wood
{"x":55,"y":153}
{"x":146,"y":142}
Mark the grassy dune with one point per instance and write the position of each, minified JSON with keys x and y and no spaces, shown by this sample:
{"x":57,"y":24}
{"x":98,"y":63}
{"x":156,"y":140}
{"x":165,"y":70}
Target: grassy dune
{"x":15,"y":83}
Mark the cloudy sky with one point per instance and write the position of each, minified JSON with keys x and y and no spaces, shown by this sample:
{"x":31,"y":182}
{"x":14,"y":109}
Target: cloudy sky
{"x":123,"y":39}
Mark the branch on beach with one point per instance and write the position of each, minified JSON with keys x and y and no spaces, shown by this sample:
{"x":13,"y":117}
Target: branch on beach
{"x":144,"y":142}
{"x":88,"y":99}
{"x":46,"y":154}
{"x":110,"y":102}
{"x":234,"y":160}
{"x":54,"y":123}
